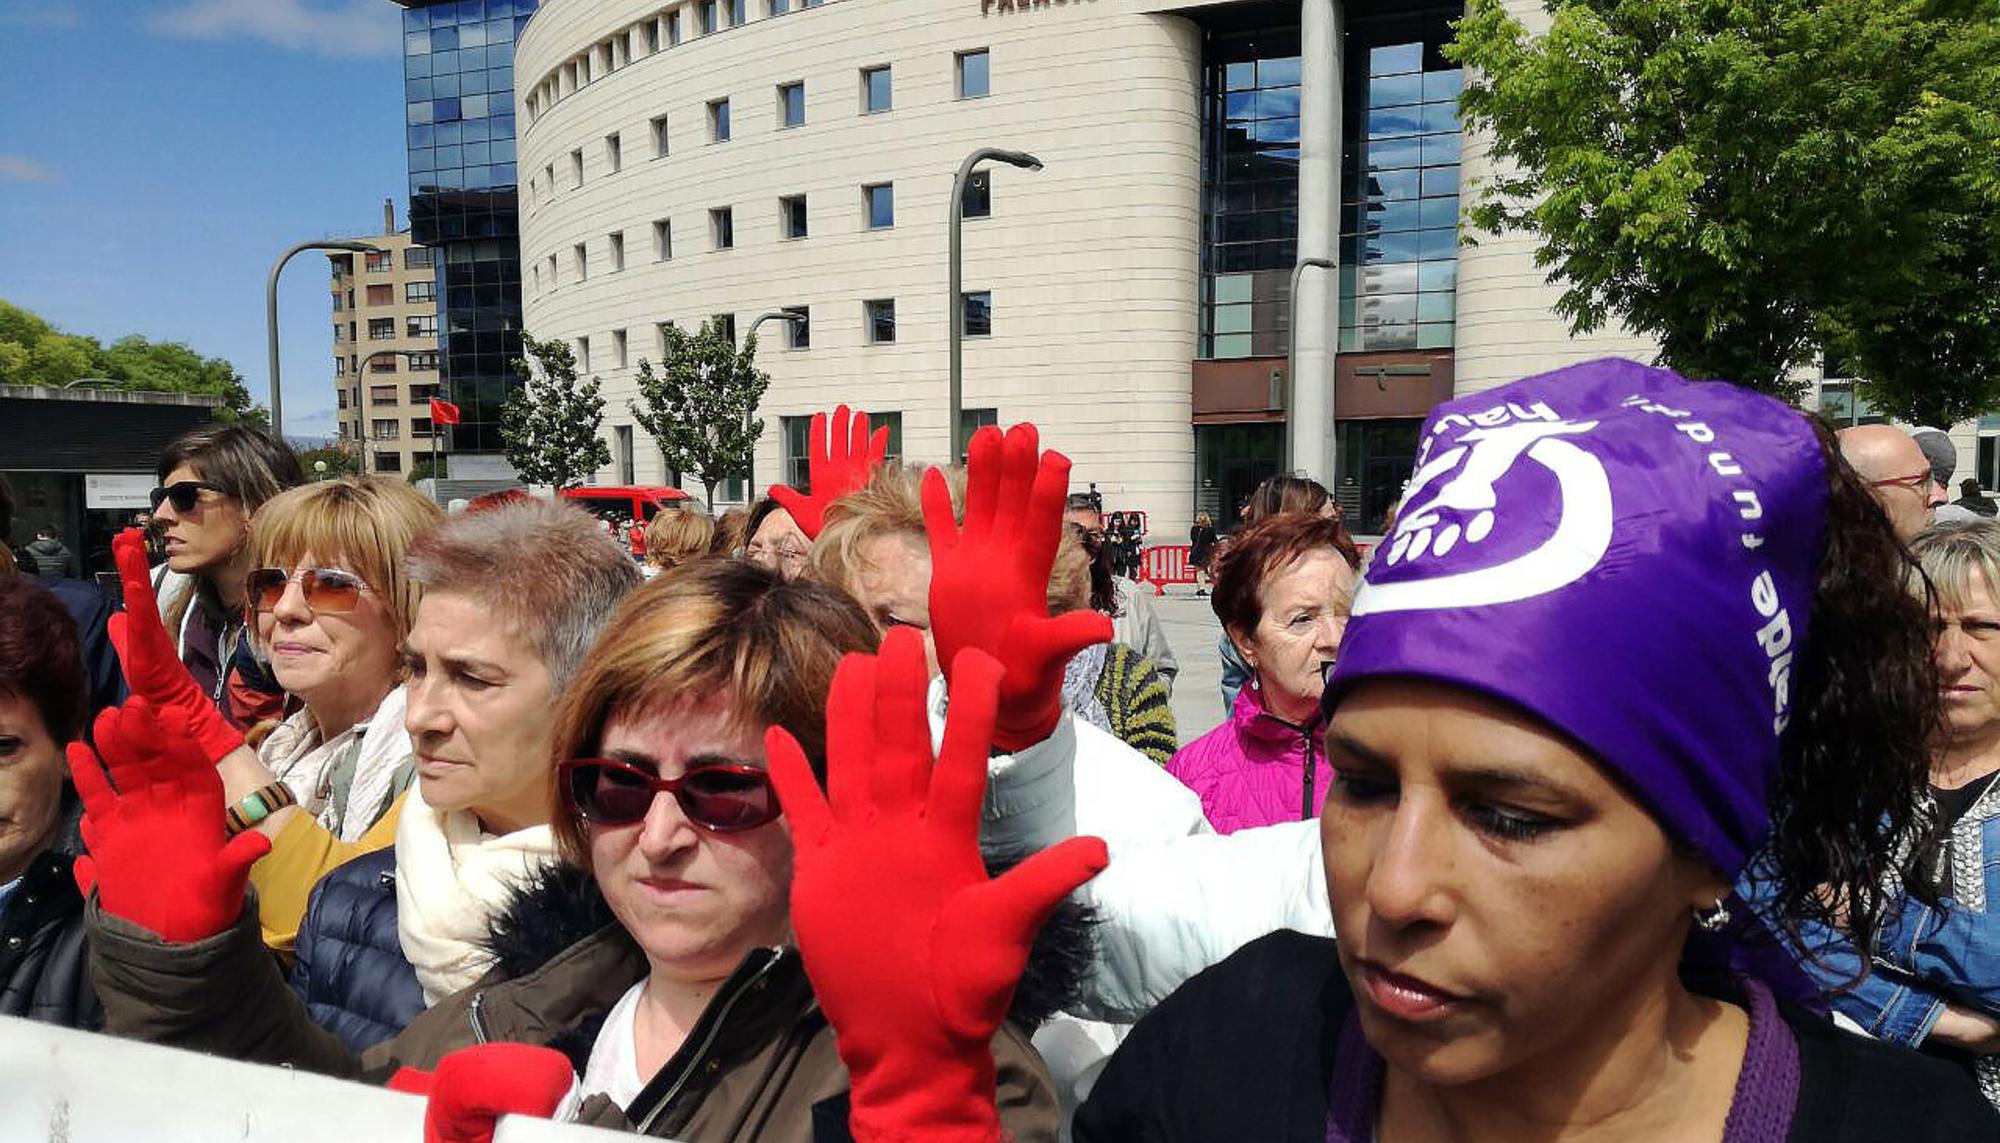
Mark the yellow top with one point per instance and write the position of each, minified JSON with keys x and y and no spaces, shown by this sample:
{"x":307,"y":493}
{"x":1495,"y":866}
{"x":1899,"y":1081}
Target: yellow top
{"x":302,"y":853}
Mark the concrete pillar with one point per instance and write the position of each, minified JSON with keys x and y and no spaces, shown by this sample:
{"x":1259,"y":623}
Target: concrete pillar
{"x":1309,"y":435}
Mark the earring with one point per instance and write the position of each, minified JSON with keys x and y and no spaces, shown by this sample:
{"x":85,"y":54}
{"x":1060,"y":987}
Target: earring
{"x":1712,"y":919}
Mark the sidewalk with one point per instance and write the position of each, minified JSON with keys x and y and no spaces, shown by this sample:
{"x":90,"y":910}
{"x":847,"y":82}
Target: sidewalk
{"x":1192,"y":631}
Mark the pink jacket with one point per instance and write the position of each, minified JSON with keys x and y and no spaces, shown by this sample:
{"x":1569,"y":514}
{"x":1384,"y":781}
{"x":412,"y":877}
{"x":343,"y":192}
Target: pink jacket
{"x":1252,"y":770}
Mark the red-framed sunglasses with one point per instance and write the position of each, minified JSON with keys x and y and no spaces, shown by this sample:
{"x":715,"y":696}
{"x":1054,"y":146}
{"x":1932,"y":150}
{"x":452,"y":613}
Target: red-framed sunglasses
{"x":724,"y":797}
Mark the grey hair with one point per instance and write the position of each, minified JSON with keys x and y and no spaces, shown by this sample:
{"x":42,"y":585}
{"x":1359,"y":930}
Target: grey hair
{"x":1949,"y":553}
{"x":548,"y":568}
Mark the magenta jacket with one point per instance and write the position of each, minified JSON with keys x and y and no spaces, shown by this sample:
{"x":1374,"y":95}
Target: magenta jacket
{"x":1256,"y":769}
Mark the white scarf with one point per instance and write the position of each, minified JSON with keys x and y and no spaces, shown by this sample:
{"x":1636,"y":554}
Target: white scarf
{"x":297,"y":756}
{"x":451,"y":880}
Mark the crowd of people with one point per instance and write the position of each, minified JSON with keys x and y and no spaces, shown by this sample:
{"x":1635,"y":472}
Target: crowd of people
{"x":1639,"y":784}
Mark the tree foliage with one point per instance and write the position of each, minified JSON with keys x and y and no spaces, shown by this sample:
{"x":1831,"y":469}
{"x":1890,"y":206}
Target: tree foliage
{"x":549,"y":425}
{"x":34,"y":352}
{"x":339,"y":459}
{"x":1753,"y":181}
{"x":698,"y":406}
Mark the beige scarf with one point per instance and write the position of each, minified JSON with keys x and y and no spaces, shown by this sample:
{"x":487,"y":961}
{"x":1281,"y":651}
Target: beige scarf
{"x":451,"y":880}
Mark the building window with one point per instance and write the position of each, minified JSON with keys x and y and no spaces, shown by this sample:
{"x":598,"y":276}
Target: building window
{"x":660,"y":328}
{"x":659,"y":137}
{"x":621,"y":453}
{"x":707,"y":15}
{"x":580,"y":258}
{"x":339,"y":364}
{"x":617,"y":243}
{"x":971,"y":421}
{"x":422,"y":393}
{"x":978,"y":313}
{"x":876,"y":94}
{"x":549,"y":178}
{"x":663,"y":239}
{"x":881,"y":314}
{"x":798,"y":334}
{"x":651,"y":31}
{"x":614,"y":153}
{"x":388,"y":461}
{"x":424,"y":291}
{"x":381,"y":262}
{"x":576,"y":167}
{"x":420,"y":427}
{"x":340,"y":397}
{"x":552,"y":271}
{"x":796,"y":433}
{"x":792,"y":215}
{"x":977,"y":202}
{"x":382,"y":295}
{"x":417,"y":258}
{"x":718,"y":121}
{"x":739,"y":13}
{"x":381,"y":329}
{"x":726,"y":325}
{"x":673,"y":28}
{"x":618,"y":349}
{"x":792,"y":104}
{"x":878,"y":203}
{"x":421,"y":325}
{"x":722,"y":227}
{"x":385,"y":430}
{"x":972,"y":74}
{"x":420,"y":362}
{"x":381,"y":395}
{"x":383,"y":364}
{"x":583,"y":354}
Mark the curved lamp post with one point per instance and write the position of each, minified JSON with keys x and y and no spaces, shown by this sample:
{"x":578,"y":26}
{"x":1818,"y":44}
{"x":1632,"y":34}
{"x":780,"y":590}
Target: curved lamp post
{"x":750,"y":462}
{"x":271,"y":315}
{"x":954,"y":430}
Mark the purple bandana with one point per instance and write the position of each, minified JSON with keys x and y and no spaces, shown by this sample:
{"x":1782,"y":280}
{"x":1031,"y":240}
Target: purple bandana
{"x":1625,"y":554}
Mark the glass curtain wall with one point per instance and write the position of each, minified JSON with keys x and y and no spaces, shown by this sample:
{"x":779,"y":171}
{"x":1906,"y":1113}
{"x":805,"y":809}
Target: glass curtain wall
{"x":1250,"y":169}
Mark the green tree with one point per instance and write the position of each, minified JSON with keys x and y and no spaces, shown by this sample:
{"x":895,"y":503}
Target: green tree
{"x":33,"y":352}
{"x":1752,"y":182}
{"x":549,"y":425}
{"x":423,"y":470}
{"x":339,"y":460}
{"x":698,"y":406}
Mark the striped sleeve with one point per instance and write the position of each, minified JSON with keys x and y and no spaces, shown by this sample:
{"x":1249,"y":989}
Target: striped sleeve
{"x":1135,"y":697}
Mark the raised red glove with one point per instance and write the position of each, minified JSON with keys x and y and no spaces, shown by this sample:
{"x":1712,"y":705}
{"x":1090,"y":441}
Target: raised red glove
{"x":913,"y":953}
{"x":473,"y":1087}
{"x":835,"y":467}
{"x":153,"y":669}
{"x":990,"y":579}
{"x":159,"y":851}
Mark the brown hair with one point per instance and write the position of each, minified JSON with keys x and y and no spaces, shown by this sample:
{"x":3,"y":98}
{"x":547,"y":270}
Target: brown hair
{"x":890,"y":504}
{"x":731,"y":531}
{"x":711,"y":627}
{"x":250,"y":465}
{"x":1261,"y":551}
{"x":364,"y":524}
{"x":678,"y":535}
{"x":41,"y":660}
{"x":1285,"y":495}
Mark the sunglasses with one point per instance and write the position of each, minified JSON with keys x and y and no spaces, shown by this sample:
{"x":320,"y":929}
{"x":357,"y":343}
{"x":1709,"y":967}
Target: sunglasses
{"x":184,"y":493}
{"x":724,"y":797}
{"x":326,"y":589}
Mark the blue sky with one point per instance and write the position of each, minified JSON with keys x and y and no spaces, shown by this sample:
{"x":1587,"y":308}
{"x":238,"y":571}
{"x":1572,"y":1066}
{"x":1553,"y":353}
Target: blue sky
{"x":157,"y":155}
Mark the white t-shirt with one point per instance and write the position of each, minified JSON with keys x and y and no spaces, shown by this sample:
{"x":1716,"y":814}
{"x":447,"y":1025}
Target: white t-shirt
{"x":614,"y":1059}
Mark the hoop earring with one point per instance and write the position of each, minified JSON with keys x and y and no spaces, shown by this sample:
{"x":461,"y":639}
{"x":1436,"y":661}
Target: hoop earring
{"x":1712,"y":919}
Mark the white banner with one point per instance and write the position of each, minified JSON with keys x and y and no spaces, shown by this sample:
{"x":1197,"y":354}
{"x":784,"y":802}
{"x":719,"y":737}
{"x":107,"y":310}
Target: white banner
{"x":75,"y":1087}
{"x":117,"y":491}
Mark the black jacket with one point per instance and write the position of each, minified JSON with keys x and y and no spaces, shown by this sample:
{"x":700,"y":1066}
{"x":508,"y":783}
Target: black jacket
{"x":351,"y":972}
{"x":1246,"y":1051}
{"x":44,"y":959}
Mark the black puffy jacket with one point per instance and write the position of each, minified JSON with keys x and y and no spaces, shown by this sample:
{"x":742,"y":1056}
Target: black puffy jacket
{"x":44,"y":959}
{"x":351,"y":971}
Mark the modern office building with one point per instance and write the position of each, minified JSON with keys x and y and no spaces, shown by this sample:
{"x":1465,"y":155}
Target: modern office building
{"x":385,"y":348}
{"x":700,"y":158}
{"x":458,"y":79}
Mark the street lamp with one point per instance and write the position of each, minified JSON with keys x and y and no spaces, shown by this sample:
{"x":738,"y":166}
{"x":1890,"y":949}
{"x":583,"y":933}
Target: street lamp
{"x":794,"y":320}
{"x":1292,"y":359}
{"x":1027,"y":162}
{"x":271,"y":316}
{"x":361,"y":411}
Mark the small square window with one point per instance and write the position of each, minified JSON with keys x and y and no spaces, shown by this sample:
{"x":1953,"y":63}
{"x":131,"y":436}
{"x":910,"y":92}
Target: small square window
{"x":791,"y":104}
{"x":614,"y":152}
{"x":792,"y":216}
{"x":878,"y":203}
{"x":659,"y":136}
{"x":581,"y":257}
{"x":798,"y":334}
{"x":876,"y":93}
{"x":978,"y":313}
{"x":977,"y":201}
{"x":618,"y":348}
{"x":718,"y":120}
{"x":881,"y":314}
{"x":973,"y":75}
{"x":617,"y":243}
{"x":722,"y":227}
{"x":663,"y":239}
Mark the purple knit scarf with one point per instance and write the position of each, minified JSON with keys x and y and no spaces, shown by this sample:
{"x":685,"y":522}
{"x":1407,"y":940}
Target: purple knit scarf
{"x":1767,"y":1089}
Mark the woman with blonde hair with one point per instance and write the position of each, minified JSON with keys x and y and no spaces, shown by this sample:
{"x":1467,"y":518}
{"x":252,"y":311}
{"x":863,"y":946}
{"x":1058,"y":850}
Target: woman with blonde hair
{"x":675,"y":537}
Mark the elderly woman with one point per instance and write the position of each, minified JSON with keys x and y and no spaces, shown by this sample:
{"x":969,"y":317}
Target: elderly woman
{"x":1282,"y":593}
{"x":44,"y":963}
{"x":661,"y":967}
{"x":774,"y":540}
{"x":675,"y":537}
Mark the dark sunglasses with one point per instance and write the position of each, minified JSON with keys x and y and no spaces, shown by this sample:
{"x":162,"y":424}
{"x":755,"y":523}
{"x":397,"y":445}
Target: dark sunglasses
{"x":326,"y":589}
{"x":184,"y":493}
{"x":724,"y":797}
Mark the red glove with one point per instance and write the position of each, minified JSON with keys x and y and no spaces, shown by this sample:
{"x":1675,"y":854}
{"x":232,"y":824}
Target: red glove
{"x":160,"y":855}
{"x":990,"y":580}
{"x":153,"y":669}
{"x":912,"y":952}
{"x":834,"y":468}
{"x":473,"y":1087}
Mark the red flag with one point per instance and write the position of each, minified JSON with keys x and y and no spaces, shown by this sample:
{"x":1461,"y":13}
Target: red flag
{"x":443,"y":412}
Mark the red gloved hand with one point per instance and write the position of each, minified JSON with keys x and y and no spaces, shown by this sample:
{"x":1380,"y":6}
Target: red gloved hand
{"x":160,"y":855}
{"x":834,"y":467}
{"x":990,"y":580}
{"x":473,"y":1087}
{"x":152,"y":667}
{"x":912,"y":952}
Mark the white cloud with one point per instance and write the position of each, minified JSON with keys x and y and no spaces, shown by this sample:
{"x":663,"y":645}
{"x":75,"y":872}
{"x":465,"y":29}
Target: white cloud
{"x":327,"y":27}
{"x":22,"y":169}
